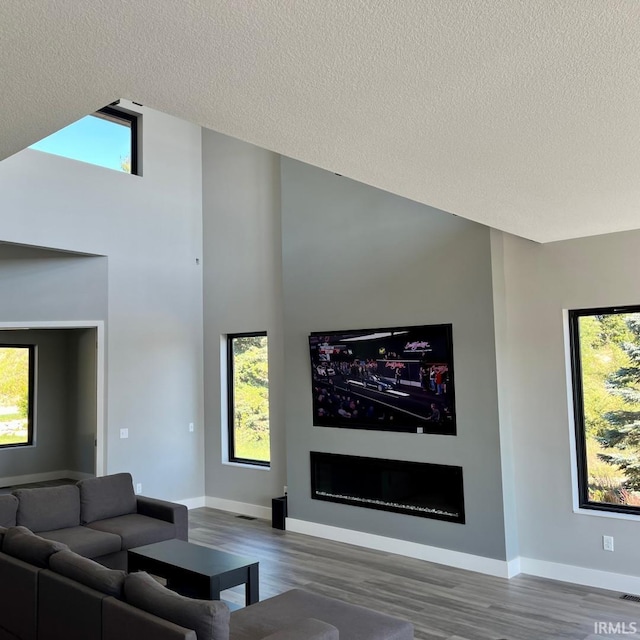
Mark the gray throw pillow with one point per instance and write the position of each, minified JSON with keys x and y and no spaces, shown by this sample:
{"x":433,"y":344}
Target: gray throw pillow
{"x":48,"y":508}
{"x":208,"y":618}
{"x":88,"y":572}
{"x":106,"y":497}
{"x":25,"y":545}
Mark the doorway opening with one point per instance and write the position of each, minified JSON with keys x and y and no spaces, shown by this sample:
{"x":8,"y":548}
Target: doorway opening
{"x":65,"y":421}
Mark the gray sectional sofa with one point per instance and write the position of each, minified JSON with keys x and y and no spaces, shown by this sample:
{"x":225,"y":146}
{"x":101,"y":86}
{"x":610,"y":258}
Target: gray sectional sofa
{"x":49,"y":592}
{"x":99,"y":518}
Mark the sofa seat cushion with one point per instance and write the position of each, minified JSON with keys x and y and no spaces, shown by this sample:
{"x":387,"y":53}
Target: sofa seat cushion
{"x":136,"y":530}
{"x":48,"y":508}
{"x":85,"y":541}
{"x":353,"y":622}
{"x":87,"y":572}
{"x":26,"y":546}
{"x":208,"y":618}
{"x":106,"y":497}
{"x":8,"y":510}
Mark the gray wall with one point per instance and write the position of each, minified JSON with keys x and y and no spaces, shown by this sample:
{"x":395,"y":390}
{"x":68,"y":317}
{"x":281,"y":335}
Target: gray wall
{"x":504,"y":379}
{"x":242,"y":293}
{"x":356,"y":257}
{"x":41,"y":286}
{"x":541,"y":282}
{"x":150,"y":229}
{"x":82,"y":399}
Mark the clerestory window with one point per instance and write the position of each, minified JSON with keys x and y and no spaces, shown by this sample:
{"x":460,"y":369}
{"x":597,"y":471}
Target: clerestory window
{"x":107,"y":138}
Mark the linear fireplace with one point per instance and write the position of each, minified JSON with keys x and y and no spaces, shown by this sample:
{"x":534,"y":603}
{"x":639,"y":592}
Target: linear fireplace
{"x":412,"y":488}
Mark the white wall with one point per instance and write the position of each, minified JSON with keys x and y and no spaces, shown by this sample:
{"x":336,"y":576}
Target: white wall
{"x":242,"y":293}
{"x":150,"y":229}
{"x":542,"y":281}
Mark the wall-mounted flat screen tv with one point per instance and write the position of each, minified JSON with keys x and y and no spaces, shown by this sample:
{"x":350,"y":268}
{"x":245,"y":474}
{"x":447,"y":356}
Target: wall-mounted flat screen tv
{"x":397,"y":379}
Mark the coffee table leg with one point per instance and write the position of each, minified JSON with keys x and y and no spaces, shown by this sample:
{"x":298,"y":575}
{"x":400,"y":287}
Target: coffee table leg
{"x":252,"y":588}
{"x":214,"y":588}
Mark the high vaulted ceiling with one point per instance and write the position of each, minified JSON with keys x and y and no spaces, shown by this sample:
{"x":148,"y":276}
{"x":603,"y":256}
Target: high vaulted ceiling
{"x":520,"y":114}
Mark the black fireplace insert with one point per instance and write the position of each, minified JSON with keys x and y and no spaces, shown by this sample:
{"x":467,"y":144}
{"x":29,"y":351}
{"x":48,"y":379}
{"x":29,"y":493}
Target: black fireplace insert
{"x":413,"y":488}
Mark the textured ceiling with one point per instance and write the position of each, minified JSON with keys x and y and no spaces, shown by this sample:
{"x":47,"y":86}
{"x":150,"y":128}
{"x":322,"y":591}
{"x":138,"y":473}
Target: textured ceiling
{"x":523,"y":115}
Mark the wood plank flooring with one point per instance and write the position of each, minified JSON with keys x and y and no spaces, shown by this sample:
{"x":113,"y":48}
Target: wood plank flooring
{"x":441,"y":602}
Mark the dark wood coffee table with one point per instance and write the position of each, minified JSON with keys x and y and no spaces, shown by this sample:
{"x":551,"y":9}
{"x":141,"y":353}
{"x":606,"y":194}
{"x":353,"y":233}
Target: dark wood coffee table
{"x":196,"y":571}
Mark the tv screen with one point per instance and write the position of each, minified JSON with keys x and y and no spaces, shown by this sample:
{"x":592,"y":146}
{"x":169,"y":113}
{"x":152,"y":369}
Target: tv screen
{"x":398,"y":379}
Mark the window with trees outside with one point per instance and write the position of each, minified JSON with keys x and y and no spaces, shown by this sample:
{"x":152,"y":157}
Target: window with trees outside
{"x":16,"y":395}
{"x":248,"y":401}
{"x":605,"y":346}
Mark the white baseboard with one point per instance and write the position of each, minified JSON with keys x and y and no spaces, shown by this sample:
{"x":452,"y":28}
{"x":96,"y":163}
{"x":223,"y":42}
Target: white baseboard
{"x":513,"y":567}
{"x":43,"y":477}
{"x":500,"y":568}
{"x":192,"y":503}
{"x":243,"y":508}
{"x":489,"y":566}
{"x":581,"y":575}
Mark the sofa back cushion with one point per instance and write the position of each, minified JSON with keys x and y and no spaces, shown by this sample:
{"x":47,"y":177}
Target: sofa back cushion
{"x":8,"y":510}
{"x":87,"y":572}
{"x":121,"y":621}
{"x":106,"y":497}
{"x":208,"y":618}
{"x":25,"y":545}
{"x":2,"y":532}
{"x":48,"y":508}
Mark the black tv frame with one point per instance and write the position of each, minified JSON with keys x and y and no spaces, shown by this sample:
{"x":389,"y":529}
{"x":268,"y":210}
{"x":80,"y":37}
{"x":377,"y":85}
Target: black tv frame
{"x":353,"y":390}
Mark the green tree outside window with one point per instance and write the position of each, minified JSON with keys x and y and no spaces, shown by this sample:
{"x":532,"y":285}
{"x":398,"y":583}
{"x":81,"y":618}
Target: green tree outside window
{"x":249,"y":409}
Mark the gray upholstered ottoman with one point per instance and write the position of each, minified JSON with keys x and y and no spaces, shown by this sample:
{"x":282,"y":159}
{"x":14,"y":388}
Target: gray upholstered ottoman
{"x":352,"y":622}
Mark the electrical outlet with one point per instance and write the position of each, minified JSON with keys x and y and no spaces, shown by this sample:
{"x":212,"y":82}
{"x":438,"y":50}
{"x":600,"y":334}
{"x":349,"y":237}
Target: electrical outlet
{"x":285,"y":489}
{"x":607,"y":543}
{"x":139,"y":488}
{"x":191,"y":427}
{"x":124,"y":433}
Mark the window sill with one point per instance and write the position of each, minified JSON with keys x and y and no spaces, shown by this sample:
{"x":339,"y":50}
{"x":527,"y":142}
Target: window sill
{"x":14,"y":447}
{"x":245,"y":465}
{"x":607,"y":514}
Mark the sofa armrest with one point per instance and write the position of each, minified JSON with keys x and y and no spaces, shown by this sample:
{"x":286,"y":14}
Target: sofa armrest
{"x":172,"y":512}
{"x":307,"y":629}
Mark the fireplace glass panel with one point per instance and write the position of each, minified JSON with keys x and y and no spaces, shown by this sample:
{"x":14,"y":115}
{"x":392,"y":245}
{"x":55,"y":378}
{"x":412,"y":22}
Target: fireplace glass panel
{"x":413,"y":488}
